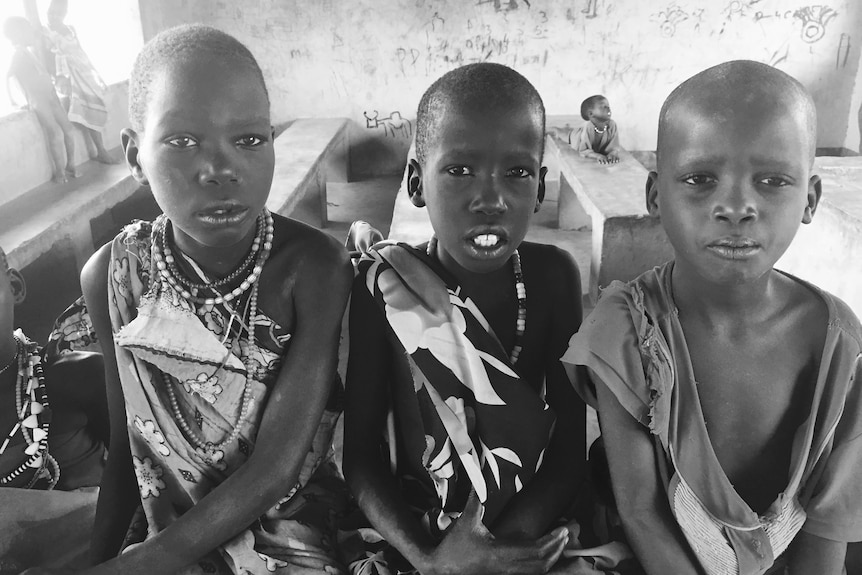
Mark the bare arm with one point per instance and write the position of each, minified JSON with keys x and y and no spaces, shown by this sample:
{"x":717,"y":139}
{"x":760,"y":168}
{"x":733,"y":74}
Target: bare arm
{"x":118,"y":495}
{"x":812,"y":554}
{"x":532,"y":511}
{"x":293,"y":410}
{"x":642,"y":503}
{"x":468,"y":547}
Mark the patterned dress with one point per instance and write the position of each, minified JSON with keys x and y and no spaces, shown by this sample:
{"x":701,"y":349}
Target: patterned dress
{"x":461,"y":417}
{"x":159,"y":333}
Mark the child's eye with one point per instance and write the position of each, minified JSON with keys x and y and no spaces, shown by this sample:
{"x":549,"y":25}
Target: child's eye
{"x":251,"y":141}
{"x":182,"y":142}
{"x":519,"y":173}
{"x":698,"y":180}
{"x":774,"y":181}
{"x":459,"y":171}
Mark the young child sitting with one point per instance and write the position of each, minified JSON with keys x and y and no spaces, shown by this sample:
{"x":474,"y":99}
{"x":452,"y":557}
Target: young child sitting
{"x":225,"y":322}
{"x":56,"y":412}
{"x":598,"y":138}
{"x":54,"y":425}
{"x":454,"y":352}
{"x":729,"y":392}
{"x":33,"y":80}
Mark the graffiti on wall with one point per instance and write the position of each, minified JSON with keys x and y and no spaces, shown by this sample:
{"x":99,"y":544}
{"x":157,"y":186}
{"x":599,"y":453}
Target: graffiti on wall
{"x":393,"y":125}
{"x":814,"y":20}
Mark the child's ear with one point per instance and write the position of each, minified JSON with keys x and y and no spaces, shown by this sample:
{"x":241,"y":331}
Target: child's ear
{"x":652,"y":195}
{"x":129,"y":140}
{"x":543,"y":172}
{"x":19,"y":286}
{"x":414,"y":183}
{"x":814,"y":191}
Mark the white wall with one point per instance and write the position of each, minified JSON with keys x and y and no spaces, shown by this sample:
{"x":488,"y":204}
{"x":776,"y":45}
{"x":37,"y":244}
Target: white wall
{"x":370,"y":60}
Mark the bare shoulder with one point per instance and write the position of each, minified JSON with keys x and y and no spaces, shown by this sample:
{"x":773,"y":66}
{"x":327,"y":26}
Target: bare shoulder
{"x":298,"y":248}
{"x":550,"y":270}
{"x":94,"y":277}
{"x":77,"y":378}
{"x":806,"y":313}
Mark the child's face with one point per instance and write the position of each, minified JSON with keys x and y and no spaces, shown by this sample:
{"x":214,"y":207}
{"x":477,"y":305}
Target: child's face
{"x":732,"y":189}
{"x":601,"y":111}
{"x":206,"y":149}
{"x":482,"y":179}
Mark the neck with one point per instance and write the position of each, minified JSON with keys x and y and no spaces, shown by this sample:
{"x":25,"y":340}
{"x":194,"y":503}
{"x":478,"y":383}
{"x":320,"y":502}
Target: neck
{"x":739,"y":304}
{"x":217,"y":261}
{"x":8,"y":350}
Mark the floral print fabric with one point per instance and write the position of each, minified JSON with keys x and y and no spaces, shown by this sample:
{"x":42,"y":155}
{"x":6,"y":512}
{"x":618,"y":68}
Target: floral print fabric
{"x":157,"y":332}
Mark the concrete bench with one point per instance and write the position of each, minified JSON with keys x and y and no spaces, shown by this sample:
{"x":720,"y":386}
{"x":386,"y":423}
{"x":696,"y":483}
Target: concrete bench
{"x":828,"y":252}
{"x":610,"y":200}
{"x":308,"y":154}
{"x":33,"y":223}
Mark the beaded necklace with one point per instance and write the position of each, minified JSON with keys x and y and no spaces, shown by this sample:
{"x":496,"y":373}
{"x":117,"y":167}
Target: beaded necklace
{"x":166,"y":263}
{"x":520,"y":292}
{"x":600,"y":131}
{"x":34,"y":417}
{"x":12,"y":362}
{"x":168,"y":271}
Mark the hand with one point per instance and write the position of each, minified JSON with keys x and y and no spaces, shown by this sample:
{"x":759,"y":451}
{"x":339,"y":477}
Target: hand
{"x":602,"y":159}
{"x":469,"y":548}
{"x":613,"y":158}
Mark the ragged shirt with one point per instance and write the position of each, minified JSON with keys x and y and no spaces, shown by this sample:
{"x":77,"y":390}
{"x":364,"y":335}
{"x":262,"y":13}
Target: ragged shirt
{"x":634,"y":343}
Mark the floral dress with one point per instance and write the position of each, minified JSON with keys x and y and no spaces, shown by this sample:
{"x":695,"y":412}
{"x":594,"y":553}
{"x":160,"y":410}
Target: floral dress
{"x":158,"y":333}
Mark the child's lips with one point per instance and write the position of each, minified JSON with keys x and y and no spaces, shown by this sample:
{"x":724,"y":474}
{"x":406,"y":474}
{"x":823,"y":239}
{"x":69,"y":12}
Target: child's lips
{"x":734,"y":248}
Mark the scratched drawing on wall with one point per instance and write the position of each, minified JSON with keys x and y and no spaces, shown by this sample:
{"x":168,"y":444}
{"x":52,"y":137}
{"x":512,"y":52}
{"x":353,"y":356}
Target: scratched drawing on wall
{"x":590,"y":9}
{"x":393,"y":125}
{"x":669,"y":18}
{"x":814,"y":20}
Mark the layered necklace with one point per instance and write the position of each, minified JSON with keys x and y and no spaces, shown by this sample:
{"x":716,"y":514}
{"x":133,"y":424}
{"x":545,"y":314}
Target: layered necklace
{"x":520,"y":292}
{"x":33,"y":417}
{"x":253,"y":263}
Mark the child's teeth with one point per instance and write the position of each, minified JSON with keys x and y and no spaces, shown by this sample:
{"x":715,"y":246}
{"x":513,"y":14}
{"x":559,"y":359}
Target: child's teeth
{"x":486,"y":240}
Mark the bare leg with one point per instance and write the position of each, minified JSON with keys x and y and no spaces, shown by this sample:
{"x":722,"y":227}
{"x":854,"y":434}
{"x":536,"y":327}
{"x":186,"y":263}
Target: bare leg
{"x":54,"y":136}
{"x":68,"y":136}
{"x":102,"y":154}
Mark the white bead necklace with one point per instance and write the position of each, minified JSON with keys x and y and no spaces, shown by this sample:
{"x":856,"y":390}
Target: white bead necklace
{"x":167,"y":268}
{"x":166,"y":263}
{"x":520,"y":292}
{"x":34,"y":417}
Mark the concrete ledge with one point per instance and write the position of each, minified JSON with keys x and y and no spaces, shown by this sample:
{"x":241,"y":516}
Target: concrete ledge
{"x":308,"y":154}
{"x":828,"y":252}
{"x":34,"y":223}
{"x":28,"y":166}
{"x":610,"y":199}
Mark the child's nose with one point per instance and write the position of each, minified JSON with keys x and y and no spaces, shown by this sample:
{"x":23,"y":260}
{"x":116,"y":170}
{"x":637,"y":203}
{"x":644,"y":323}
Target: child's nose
{"x":489,"y":198}
{"x":218,"y":168}
{"x":736,"y":204}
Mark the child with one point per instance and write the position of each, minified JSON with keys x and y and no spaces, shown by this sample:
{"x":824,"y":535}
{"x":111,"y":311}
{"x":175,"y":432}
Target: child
{"x":69,"y":456}
{"x":34,"y":81}
{"x":729,"y":392}
{"x":599,"y":137}
{"x":461,"y":338}
{"x":54,"y":421}
{"x":225,"y":340}
{"x":76,"y":80}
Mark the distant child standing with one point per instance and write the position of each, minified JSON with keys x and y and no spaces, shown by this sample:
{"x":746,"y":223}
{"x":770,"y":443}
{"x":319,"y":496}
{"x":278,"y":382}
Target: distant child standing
{"x":599,"y":137}
{"x":77,"y":80}
{"x":224,"y":320}
{"x":35,"y":82}
{"x":730,"y":393}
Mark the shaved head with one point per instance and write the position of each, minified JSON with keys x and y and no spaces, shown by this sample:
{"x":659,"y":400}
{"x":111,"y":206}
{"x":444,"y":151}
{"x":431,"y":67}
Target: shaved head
{"x":722,"y":92}
{"x":481,"y":88}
